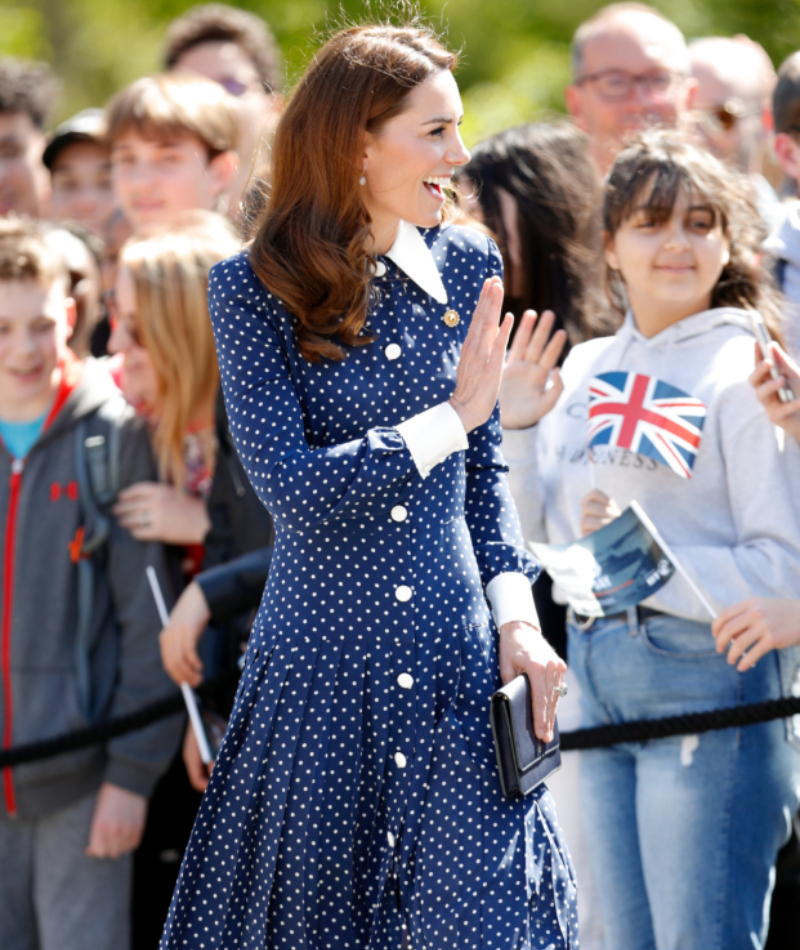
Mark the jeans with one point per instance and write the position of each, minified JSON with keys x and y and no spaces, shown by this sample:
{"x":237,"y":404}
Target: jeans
{"x":682,"y":832}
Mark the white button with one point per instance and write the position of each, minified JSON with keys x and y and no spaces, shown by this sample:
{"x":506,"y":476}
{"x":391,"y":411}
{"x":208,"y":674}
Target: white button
{"x":405,"y":681}
{"x":380,"y":269}
{"x":403,"y":593}
{"x":400,"y":760}
{"x":391,"y":839}
{"x":399,"y":513}
{"x":392,"y":351}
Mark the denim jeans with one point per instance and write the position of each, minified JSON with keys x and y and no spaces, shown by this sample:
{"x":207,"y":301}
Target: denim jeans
{"x":682,"y":832}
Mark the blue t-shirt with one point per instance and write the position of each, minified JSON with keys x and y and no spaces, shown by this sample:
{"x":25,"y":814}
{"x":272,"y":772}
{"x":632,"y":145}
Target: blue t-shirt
{"x":20,"y":436}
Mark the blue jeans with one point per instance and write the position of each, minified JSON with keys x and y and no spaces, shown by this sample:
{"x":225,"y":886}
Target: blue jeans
{"x":682,"y":832}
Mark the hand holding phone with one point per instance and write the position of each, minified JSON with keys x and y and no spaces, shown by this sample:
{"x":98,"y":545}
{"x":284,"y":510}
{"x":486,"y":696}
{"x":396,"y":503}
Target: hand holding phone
{"x":764,"y":341}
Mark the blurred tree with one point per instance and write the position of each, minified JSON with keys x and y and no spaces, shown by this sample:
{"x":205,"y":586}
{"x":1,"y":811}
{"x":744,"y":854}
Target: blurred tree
{"x":515,"y":59}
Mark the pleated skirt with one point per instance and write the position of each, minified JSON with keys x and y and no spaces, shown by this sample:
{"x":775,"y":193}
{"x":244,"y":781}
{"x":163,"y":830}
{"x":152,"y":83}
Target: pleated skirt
{"x":356,"y":793}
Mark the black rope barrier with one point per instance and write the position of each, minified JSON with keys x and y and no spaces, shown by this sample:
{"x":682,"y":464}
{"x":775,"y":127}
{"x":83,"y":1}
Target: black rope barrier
{"x":112,"y":728}
{"x":639,"y":730}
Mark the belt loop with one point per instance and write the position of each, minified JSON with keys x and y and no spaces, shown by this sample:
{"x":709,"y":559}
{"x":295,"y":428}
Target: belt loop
{"x":633,"y":621}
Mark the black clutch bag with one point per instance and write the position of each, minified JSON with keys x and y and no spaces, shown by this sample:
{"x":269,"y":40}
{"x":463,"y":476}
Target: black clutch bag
{"x":523,"y":760}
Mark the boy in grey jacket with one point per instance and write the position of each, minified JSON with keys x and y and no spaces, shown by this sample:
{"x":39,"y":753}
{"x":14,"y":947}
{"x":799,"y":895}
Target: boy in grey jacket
{"x":78,"y":627}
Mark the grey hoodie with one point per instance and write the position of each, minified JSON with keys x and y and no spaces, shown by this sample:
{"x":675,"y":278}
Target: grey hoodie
{"x":735,"y":523}
{"x":784,"y":244}
{"x":42,"y":517}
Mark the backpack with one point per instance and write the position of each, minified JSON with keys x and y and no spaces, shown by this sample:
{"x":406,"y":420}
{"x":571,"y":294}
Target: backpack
{"x":97,"y":465}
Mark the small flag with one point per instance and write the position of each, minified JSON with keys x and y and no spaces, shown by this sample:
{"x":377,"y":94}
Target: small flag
{"x":647,"y":416}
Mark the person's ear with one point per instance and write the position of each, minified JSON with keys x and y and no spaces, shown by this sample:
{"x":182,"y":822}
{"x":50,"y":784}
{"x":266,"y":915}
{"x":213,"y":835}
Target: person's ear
{"x":71,"y":309}
{"x":767,"y":119}
{"x":573,"y":99}
{"x":690,"y":88}
{"x":726,"y":256}
{"x":221,"y":170}
{"x":610,"y":251}
{"x":786,"y":151}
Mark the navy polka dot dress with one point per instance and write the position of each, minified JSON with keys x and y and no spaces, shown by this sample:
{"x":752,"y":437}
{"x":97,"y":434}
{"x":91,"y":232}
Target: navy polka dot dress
{"x":355,"y":795}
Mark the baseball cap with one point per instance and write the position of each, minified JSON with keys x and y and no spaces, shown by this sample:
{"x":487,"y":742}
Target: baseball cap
{"x":85,"y":126}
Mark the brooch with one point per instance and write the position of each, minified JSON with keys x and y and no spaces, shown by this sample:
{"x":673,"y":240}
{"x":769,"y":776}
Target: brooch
{"x":450,"y":318}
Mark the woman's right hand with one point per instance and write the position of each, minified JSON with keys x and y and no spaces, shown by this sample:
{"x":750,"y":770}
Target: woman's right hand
{"x":597,"y":510}
{"x":524,"y":395}
{"x":480,"y":367}
{"x":784,"y":414}
{"x":179,"y":639}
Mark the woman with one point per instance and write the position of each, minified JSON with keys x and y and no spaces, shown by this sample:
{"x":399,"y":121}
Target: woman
{"x":682,"y":832}
{"x":355,"y":795}
{"x":536,"y":189}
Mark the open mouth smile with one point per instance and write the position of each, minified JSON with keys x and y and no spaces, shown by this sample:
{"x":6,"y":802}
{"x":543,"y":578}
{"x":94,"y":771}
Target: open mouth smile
{"x":435,"y":186}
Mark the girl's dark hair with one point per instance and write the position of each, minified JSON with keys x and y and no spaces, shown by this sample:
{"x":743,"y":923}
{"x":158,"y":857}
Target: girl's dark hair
{"x":546,"y":170}
{"x":652,"y":169}
{"x":310,"y":239}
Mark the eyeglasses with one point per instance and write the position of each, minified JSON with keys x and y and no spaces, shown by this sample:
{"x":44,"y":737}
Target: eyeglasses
{"x":617,"y":85}
{"x":724,"y":117}
{"x":110,"y":303}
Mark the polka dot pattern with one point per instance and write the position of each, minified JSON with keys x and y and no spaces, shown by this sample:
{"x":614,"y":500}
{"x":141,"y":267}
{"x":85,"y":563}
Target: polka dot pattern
{"x":356,"y":792}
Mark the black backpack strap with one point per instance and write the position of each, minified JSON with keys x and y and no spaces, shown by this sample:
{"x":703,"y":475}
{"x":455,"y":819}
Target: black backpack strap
{"x":97,"y":468}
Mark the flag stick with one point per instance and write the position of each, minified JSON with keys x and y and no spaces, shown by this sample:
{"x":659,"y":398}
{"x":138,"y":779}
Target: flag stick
{"x":188,"y":695}
{"x":592,"y":472}
{"x":666,"y":549}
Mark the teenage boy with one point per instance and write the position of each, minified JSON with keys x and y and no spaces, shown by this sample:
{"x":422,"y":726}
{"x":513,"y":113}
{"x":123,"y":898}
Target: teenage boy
{"x":79,"y":162}
{"x":173,"y":145}
{"x":237,"y":50}
{"x":27,"y":92}
{"x":784,"y":242}
{"x":78,"y":626}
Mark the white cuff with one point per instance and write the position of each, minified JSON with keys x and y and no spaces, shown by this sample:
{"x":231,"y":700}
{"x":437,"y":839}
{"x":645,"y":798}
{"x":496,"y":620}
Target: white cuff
{"x":511,"y":598}
{"x":519,"y":444}
{"x":433,"y":435}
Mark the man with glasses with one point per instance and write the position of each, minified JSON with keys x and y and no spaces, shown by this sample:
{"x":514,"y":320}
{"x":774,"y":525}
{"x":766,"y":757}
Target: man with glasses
{"x":630,"y":71}
{"x":237,"y":50}
{"x":733,"y":112}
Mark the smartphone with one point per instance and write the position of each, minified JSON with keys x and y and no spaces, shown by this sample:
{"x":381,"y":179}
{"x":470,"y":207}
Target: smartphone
{"x":764,"y":339}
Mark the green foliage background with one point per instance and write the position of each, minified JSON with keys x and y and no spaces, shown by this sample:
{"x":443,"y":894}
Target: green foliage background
{"x":515,"y":52}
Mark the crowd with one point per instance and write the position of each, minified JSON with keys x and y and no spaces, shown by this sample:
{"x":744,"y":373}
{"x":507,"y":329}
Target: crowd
{"x":638,"y":239}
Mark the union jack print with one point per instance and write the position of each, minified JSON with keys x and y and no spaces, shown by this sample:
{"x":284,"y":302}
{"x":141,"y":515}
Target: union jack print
{"x":647,"y":416}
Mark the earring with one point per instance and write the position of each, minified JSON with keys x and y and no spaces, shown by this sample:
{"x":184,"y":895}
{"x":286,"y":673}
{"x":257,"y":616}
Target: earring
{"x":362,"y":181}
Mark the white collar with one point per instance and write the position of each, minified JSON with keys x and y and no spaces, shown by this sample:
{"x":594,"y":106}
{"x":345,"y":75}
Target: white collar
{"x":413,"y":256}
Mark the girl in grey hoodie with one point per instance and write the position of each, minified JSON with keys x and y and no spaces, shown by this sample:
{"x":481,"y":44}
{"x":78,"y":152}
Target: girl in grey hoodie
{"x":682,"y":833}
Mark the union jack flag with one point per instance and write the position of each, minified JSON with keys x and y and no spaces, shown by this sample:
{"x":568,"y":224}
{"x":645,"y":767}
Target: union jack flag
{"x":647,"y":416}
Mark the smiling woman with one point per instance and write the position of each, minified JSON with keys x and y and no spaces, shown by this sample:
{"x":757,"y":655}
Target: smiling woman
{"x":312,"y":246}
{"x":355,"y":801}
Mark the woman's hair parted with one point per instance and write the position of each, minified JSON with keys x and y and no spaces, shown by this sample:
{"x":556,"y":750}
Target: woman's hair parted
{"x":650,"y":172}
{"x":170,"y":277}
{"x":310,"y":241}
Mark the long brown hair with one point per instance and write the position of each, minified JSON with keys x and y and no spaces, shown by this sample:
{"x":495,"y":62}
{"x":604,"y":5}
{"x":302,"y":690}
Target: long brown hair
{"x":655,"y":166}
{"x":310,"y":243}
{"x":170,"y":277}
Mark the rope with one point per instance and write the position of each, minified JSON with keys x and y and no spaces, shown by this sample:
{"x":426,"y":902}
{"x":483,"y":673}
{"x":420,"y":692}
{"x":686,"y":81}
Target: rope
{"x":111,"y":728}
{"x":639,"y":730}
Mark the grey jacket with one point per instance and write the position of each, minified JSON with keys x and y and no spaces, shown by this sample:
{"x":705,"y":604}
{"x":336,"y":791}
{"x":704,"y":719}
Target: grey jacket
{"x":43,"y":518}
